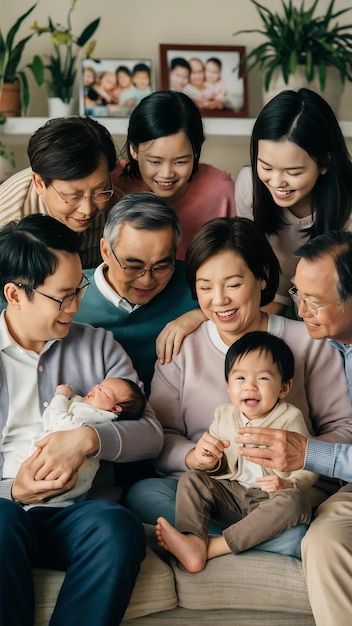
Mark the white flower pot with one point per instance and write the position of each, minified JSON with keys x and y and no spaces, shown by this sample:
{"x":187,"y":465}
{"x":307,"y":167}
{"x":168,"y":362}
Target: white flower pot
{"x":332,"y":92}
{"x":59,"y":108}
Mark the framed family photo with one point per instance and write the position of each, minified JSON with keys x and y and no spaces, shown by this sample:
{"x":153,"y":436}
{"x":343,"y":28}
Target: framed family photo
{"x":113,"y":87}
{"x":211,"y":75}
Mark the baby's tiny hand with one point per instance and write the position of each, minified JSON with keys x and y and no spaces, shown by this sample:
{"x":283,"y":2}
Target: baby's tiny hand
{"x":270,"y":483}
{"x":64,"y":390}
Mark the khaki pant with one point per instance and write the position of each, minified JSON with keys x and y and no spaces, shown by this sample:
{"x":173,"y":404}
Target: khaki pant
{"x":252,"y":515}
{"x":327,"y":560}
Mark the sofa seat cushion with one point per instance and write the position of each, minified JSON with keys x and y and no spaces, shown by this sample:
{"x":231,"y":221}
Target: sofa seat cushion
{"x":255,"y":580}
{"x":47,"y":584}
{"x":154,"y":590}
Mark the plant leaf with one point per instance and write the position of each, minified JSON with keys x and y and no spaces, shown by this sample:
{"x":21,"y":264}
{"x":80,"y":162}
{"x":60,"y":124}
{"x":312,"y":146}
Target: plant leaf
{"x":88,"y":32}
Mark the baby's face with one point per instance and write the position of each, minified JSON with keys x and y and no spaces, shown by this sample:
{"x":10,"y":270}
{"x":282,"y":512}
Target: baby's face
{"x":212,"y":72}
{"x":255,"y":385}
{"x":141,"y":79}
{"x":107,"y":394}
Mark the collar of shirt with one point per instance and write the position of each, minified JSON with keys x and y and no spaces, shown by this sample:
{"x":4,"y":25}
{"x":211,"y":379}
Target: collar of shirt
{"x":343,"y":347}
{"x":215,"y":337}
{"x":7,"y":341}
{"x":109,"y":293}
{"x":5,"y":338}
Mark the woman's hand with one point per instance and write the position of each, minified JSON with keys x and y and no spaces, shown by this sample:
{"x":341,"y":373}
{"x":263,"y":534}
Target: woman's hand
{"x":207,"y":454}
{"x":170,"y":339}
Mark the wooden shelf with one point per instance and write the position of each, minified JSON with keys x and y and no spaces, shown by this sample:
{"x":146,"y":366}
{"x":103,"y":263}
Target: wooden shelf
{"x":17,"y":130}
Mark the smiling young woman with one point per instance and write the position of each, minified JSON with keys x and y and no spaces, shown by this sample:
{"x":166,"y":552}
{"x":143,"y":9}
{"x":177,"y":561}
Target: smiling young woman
{"x":300,"y":181}
{"x":164,"y":141}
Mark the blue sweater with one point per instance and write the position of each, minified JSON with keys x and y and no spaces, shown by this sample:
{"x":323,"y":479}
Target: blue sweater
{"x":137,"y":331}
{"x":329,"y":459}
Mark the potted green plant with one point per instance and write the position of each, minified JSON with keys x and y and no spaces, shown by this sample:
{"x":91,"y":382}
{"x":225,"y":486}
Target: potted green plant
{"x":10,"y":57}
{"x":14,"y":82}
{"x":300,"y":39}
{"x":60,"y":68}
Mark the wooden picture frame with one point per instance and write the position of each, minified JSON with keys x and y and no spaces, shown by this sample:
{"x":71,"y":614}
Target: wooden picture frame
{"x":222,"y":92}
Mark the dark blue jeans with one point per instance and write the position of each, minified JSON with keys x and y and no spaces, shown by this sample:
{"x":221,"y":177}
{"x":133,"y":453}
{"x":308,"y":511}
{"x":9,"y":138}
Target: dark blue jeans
{"x":99,"y":544}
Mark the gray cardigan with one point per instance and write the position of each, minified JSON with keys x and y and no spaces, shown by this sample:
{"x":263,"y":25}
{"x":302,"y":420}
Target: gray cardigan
{"x":85,"y":357}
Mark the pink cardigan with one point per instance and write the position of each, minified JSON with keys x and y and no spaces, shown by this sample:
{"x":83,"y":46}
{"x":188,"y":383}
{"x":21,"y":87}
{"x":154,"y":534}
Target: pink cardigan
{"x":211,"y":194}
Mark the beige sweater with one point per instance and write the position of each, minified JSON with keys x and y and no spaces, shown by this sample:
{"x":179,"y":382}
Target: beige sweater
{"x":227,"y":421}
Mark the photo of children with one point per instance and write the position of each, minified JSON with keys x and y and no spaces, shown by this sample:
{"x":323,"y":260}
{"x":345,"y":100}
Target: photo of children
{"x":113,"y":87}
{"x":210,"y":75}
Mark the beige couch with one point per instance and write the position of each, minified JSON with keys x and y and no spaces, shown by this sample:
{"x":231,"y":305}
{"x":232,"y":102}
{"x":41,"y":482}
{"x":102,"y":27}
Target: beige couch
{"x":251,"y":589}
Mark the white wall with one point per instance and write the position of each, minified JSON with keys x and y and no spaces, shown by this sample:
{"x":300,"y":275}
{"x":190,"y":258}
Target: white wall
{"x":134,"y":28}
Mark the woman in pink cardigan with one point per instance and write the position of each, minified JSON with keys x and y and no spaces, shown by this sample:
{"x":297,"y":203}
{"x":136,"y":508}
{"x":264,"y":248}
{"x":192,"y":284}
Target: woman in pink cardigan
{"x":233,"y":272}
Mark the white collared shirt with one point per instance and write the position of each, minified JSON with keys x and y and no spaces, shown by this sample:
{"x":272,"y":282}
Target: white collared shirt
{"x":24,"y":423}
{"x":109,"y":293}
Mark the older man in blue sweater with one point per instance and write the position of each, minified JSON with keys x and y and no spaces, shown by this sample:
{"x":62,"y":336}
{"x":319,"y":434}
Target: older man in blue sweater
{"x":140,"y":288}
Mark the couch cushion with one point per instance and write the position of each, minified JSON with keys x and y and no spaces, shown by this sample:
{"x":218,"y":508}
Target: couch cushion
{"x":249,"y":580}
{"x":154,"y":590}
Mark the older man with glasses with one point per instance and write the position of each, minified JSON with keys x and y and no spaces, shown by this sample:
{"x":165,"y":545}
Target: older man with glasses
{"x":322,"y":292}
{"x":139,"y":288}
{"x":99,"y":543}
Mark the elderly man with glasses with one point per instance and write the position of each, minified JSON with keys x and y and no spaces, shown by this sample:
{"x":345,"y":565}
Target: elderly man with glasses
{"x":99,"y":543}
{"x":322,"y":292}
{"x":139,"y":288}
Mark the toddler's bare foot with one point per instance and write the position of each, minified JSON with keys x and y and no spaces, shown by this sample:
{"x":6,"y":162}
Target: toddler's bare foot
{"x":190,"y":550}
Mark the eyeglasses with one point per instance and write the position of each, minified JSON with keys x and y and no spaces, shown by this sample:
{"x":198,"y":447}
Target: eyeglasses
{"x":65,"y":302}
{"x":311,"y":305}
{"x":137,"y":272}
{"x":99,"y":198}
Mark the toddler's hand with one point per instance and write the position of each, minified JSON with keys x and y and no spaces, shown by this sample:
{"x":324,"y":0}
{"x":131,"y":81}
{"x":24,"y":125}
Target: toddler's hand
{"x":273,"y":483}
{"x":208,"y":452}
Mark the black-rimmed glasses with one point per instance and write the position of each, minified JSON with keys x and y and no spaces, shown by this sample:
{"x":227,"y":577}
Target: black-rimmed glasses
{"x":132,"y":271}
{"x":65,"y":302}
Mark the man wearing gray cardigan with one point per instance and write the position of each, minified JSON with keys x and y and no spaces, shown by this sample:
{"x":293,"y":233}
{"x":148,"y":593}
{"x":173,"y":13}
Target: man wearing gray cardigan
{"x":99,"y":543}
